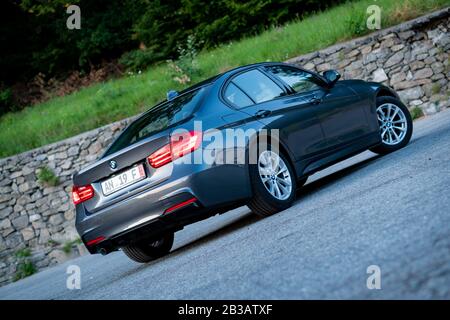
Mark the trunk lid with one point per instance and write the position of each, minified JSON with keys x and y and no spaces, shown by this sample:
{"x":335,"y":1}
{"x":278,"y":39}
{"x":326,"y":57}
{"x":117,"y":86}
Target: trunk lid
{"x":123,"y":159}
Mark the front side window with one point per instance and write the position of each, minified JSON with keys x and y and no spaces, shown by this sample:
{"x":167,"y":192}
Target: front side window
{"x":298,"y":80}
{"x":257,"y":86}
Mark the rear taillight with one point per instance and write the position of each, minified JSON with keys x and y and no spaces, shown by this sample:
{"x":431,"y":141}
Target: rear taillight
{"x":160,"y":157}
{"x":180,"y":145}
{"x":81,"y":194}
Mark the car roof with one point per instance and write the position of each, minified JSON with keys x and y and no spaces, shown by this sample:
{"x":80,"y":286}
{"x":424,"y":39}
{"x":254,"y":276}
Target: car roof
{"x":231,"y":72}
{"x":253,"y":65}
{"x":225,"y":74}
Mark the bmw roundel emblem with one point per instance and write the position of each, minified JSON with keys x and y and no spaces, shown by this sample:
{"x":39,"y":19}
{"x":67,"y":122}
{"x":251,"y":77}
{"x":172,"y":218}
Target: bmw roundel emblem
{"x":113,"y":164}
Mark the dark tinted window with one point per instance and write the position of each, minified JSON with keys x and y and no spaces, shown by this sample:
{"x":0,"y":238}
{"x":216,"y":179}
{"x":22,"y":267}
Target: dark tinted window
{"x":258,"y":86}
{"x":158,"y":119}
{"x":237,"y":97}
{"x":299,"y":80}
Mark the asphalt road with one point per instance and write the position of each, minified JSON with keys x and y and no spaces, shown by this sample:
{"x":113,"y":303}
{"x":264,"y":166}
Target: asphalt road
{"x":391,"y":211}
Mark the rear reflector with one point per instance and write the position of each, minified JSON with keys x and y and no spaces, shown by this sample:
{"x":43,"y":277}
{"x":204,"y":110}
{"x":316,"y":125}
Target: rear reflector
{"x":95,"y":241}
{"x":180,"y":205}
{"x":180,"y":145}
{"x":81,"y":194}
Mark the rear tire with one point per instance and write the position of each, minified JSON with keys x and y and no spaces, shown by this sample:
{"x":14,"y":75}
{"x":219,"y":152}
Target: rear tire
{"x":263,"y":202}
{"x":144,"y":251}
{"x":396,"y":129}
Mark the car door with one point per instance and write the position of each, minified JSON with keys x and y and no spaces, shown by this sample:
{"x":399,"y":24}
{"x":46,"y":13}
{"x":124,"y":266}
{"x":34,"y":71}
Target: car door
{"x":268,"y":100}
{"x":339,"y":109}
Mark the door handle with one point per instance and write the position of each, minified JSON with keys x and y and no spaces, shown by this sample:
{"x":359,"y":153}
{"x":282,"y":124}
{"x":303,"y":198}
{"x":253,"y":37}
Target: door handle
{"x":262,"y":113}
{"x":315,"y":100}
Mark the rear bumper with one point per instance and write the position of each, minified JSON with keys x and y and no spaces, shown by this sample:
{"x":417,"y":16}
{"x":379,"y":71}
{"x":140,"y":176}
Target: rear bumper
{"x":151,"y":230}
{"x":144,"y":215}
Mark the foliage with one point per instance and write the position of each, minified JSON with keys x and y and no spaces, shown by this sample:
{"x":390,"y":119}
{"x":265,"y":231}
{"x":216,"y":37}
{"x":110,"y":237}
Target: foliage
{"x":186,"y":66}
{"x":47,"y":177}
{"x":23,"y":253}
{"x":436,"y":88}
{"x":416,"y":113}
{"x":25,"y":267}
{"x":52,"y":243}
{"x":356,"y":23}
{"x":137,"y":60}
{"x":111,"y":28}
{"x":6,"y":103}
{"x":167,"y":24}
{"x":112,"y":100}
{"x":39,"y":28}
{"x":67,"y":248}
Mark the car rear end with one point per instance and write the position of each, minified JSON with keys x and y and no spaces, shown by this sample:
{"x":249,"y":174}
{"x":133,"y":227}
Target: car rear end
{"x":134,"y":190}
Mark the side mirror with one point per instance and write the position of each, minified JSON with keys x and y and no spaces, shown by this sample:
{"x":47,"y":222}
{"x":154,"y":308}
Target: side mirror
{"x":171,"y":94}
{"x":332,"y":76}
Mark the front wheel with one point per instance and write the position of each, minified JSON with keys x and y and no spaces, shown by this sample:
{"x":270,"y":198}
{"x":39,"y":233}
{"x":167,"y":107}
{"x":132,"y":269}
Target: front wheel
{"x":396,"y":125}
{"x":273,"y":183}
{"x":147,"y":251}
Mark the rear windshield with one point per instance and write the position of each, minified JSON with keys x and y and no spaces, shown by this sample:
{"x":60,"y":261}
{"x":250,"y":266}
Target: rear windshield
{"x":158,"y":119}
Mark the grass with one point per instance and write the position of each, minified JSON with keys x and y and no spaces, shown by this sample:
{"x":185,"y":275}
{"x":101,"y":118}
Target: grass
{"x":23,"y":253}
{"x":416,"y":113}
{"x":25,"y":267}
{"x":47,"y":177}
{"x":68,"y":246}
{"x":436,"y":88}
{"x":113,"y":100}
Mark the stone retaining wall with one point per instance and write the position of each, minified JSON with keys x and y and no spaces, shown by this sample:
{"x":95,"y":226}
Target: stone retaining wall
{"x":412,"y":57}
{"x":40,"y":217}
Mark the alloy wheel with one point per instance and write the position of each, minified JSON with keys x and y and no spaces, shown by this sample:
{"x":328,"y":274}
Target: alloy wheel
{"x":275,"y":175}
{"x":393,"y":123}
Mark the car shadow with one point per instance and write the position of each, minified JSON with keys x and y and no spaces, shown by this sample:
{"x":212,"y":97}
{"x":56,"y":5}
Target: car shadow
{"x":249,"y":218}
{"x":240,"y":223}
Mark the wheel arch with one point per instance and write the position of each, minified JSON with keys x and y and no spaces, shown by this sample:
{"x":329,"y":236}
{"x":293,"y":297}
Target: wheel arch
{"x":282,"y":147}
{"x":383,"y":91}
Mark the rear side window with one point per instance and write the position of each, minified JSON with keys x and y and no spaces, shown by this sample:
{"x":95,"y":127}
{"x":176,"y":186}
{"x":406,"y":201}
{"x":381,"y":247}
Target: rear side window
{"x":258,"y":86}
{"x":158,"y":119}
{"x":237,"y":97}
{"x":298,"y":80}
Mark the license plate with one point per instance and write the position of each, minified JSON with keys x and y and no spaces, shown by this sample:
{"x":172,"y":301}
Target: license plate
{"x":123,"y":180}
